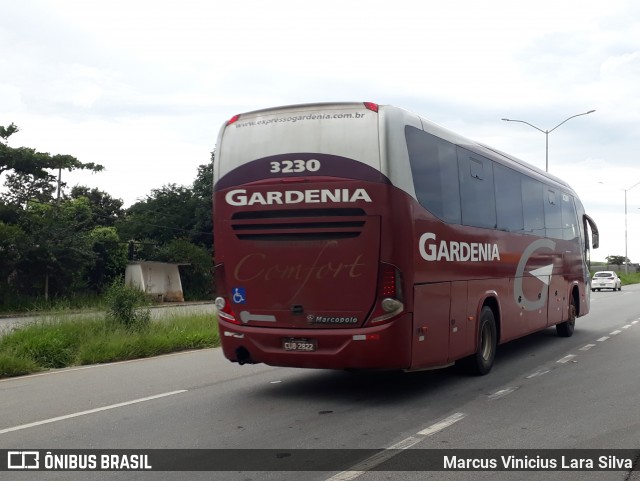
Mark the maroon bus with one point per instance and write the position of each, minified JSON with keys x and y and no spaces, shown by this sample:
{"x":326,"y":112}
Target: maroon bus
{"x":362,"y":236}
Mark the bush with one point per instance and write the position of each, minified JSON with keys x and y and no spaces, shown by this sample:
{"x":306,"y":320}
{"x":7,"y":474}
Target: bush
{"x":127,"y":306}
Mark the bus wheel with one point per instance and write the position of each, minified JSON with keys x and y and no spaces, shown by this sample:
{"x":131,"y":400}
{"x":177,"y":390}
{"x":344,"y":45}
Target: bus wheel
{"x":566,"y":328}
{"x":481,"y":362}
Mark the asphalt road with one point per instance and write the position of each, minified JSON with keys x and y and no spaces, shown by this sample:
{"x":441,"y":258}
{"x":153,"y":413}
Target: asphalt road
{"x":544,"y":392}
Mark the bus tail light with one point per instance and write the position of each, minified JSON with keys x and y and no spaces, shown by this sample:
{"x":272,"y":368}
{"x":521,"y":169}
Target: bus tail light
{"x":371,"y":106}
{"x":224,"y":310}
{"x":233,"y":119}
{"x":389,"y":301}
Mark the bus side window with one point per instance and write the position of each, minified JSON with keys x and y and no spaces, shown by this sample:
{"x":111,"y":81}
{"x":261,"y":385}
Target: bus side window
{"x":510,"y":216}
{"x":569,"y":218}
{"x":533,"y":206}
{"x":553,"y":214}
{"x":477,"y":194}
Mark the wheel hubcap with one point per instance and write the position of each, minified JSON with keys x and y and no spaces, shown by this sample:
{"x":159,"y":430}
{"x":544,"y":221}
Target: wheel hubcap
{"x":486,"y":342}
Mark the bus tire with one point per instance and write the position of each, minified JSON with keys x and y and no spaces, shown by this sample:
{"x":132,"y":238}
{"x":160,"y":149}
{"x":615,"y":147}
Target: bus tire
{"x":481,"y":362}
{"x":566,"y":328}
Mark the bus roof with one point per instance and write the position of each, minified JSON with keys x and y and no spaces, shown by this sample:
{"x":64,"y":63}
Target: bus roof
{"x":427,"y":125}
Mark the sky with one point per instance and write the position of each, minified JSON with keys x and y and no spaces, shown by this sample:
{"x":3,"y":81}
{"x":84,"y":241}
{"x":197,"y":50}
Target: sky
{"x":143,"y":87}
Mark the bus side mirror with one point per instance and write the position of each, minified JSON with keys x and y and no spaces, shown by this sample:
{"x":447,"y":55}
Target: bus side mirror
{"x":595,"y":235}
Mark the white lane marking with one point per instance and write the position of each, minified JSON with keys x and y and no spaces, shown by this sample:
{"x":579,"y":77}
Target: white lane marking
{"x":587,"y":347}
{"x":566,"y":359}
{"x":615,"y":333}
{"x":626,"y":326}
{"x":90,"y":411}
{"x":445,"y":423}
{"x":603,"y":338}
{"x":406,"y":443}
{"x":634,"y":322}
{"x":502,"y":393}
{"x":388,"y":453}
{"x":538,"y":373}
{"x":345,"y":476}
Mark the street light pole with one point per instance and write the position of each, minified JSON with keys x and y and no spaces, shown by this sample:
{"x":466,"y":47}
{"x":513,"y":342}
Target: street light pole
{"x":547,"y":132}
{"x":626,"y":259}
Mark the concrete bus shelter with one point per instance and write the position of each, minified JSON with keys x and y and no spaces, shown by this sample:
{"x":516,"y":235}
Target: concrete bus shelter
{"x":159,"y":280}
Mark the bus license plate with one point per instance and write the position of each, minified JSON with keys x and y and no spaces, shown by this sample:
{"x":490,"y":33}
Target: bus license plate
{"x":304,"y":345}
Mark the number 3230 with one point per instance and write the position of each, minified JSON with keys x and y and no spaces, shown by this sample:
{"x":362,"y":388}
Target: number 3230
{"x":295,"y":166}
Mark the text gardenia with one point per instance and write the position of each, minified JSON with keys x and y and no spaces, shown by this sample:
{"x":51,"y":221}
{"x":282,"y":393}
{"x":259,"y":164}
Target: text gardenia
{"x":432,"y":250}
{"x":240,"y":197}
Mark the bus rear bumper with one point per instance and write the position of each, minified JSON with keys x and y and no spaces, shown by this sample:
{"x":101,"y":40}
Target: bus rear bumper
{"x":386,"y":346}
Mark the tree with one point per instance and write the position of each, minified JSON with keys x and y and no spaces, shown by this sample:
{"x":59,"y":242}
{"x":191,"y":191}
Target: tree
{"x":110,"y":258}
{"x":165,"y":214}
{"x":617,"y":260}
{"x":29,"y":172}
{"x":203,"y":194}
{"x":57,"y":251}
{"x":12,"y":238}
{"x":173,"y":212}
{"x":22,"y":187}
{"x":106,"y":210}
{"x":54,"y":253}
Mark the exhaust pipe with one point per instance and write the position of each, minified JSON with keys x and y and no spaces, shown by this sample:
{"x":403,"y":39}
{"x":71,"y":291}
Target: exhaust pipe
{"x":243,"y":356}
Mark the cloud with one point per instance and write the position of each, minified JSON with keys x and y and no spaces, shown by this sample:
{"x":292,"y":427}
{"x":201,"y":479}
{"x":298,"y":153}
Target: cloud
{"x":143,"y":87}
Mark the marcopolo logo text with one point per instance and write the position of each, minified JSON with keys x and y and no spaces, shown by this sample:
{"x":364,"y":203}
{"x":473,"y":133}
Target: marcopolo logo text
{"x":432,"y":250}
{"x":240,"y":197}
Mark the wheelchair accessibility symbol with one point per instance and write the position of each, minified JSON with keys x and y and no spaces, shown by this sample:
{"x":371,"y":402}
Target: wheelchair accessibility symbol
{"x":239,"y":295}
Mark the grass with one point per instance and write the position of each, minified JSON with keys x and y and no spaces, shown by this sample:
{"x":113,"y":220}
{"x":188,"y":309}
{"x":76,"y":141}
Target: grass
{"x":12,"y":304}
{"x":631,"y":278}
{"x":59,"y":342}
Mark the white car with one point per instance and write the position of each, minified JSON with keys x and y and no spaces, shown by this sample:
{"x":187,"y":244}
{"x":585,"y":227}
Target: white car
{"x":606,"y":280}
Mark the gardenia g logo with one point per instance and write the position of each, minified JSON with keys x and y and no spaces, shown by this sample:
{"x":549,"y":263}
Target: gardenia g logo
{"x":543,"y":274}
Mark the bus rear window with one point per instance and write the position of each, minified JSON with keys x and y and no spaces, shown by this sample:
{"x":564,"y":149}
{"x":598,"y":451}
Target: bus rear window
{"x":435,"y":174}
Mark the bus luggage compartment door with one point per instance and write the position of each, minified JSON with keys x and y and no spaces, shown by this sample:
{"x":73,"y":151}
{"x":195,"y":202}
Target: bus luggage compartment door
{"x":431,"y":325}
